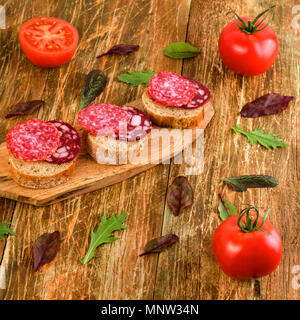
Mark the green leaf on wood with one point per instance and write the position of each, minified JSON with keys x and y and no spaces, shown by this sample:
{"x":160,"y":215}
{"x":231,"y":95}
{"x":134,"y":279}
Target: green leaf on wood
{"x":5,"y":230}
{"x":226,"y":209}
{"x":268,"y":140}
{"x":180,"y":50}
{"x":136,"y":78}
{"x":104,"y":233}
{"x":242,"y":183}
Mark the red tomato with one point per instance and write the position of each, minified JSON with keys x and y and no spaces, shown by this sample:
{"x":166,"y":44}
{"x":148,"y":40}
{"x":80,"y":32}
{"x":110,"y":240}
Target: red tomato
{"x":247,"y":255}
{"x":48,"y":42}
{"x":248,"y":54}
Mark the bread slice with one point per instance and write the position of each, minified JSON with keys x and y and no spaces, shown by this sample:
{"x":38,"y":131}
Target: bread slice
{"x":173,"y":117}
{"x":41,"y":174}
{"x":107,"y":150}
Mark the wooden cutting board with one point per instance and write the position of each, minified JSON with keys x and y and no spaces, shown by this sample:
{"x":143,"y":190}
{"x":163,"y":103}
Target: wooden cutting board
{"x":90,"y":176}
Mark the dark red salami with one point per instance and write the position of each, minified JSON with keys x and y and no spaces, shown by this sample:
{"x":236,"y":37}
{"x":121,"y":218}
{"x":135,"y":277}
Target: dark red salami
{"x":170,"y":89}
{"x":202,"y":95}
{"x":69,"y":143}
{"x":138,"y":126}
{"x":103,"y":119}
{"x":33,"y":140}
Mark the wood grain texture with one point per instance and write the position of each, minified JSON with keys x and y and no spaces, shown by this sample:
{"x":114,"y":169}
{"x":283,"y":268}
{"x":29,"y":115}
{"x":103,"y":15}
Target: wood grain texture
{"x":188,"y":270}
{"x":89,"y":176}
{"x":100,"y":24}
{"x":194,"y":271}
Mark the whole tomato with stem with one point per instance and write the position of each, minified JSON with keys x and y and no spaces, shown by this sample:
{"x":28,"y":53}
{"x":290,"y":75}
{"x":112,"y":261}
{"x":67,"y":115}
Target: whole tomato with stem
{"x":247,"y":246}
{"x":249,"y":46}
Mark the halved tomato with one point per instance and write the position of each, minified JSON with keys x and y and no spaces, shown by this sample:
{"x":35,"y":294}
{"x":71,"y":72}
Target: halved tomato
{"x":47,"y":41}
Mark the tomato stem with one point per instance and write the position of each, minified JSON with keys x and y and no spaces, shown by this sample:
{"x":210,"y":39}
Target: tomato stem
{"x":251,"y":225}
{"x":252,"y":26}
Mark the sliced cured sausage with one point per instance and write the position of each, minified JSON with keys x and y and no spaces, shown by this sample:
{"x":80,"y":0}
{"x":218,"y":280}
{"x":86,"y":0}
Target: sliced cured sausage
{"x":170,"y":89}
{"x":69,"y":143}
{"x":33,"y":140}
{"x":103,"y":119}
{"x":138,"y":126}
{"x":202,"y":95}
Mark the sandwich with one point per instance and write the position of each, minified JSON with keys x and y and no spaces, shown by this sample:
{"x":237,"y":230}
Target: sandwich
{"x":42,"y":154}
{"x":115,"y":135}
{"x":174,"y":101}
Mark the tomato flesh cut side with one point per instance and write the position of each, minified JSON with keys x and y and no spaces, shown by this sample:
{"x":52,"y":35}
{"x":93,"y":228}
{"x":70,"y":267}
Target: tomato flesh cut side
{"x":47,"y":41}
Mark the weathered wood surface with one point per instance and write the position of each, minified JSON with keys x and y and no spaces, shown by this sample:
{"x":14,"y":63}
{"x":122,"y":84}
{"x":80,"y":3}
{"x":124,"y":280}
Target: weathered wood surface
{"x":90,"y":176}
{"x":187,"y":270}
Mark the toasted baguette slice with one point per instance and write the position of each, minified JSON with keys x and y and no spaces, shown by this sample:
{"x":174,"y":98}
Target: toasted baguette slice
{"x":107,"y":150}
{"x":41,"y":174}
{"x":173,"y":117}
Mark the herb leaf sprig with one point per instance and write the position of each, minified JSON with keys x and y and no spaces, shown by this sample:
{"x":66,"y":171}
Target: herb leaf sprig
{"x":104,"y":233}
{"x":5,"y":230}
{"x":267,"y":140}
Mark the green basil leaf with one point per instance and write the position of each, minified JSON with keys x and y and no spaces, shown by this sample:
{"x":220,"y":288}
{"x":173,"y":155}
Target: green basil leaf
{"x":226,"y":209}
{"x":136,"y":78}
{"x":180,"y":50}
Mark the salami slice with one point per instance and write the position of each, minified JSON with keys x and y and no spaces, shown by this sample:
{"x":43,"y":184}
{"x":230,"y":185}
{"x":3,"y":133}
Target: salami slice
{"x":202,"y":95}
{"x":103,"y":119}
{"x":138,"y":126}
{"x":33,"y":140}
{"x":69,"y":143}
{"x":170,"y":89}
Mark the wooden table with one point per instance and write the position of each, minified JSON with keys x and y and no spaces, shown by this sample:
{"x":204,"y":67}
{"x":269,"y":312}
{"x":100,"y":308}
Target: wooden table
{"x":188,"y":270}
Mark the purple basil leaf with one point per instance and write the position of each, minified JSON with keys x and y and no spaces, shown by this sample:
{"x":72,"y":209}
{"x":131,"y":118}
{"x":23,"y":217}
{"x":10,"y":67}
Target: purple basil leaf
{"x":45,"y":249}
{"x":180,"y":194}
{"x":24,"y":108}
{"x":270,"y":103}
{"x":121,"y":49}
{"x":159,"y":244}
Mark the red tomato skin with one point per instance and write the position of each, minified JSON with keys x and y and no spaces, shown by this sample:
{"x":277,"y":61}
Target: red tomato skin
{"x":248,"y":54}
{"x":43,"y":58}
{"x":247,"y":255}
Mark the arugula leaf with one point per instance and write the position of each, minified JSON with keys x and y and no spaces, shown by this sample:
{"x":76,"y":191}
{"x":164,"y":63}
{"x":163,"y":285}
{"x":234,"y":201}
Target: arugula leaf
{"x":93,"y":85}
{"x":104,"y":233}
{"x":136,"y":78}
{"x":226,"y":209}
{"x":5,"y":230}
{"x":268,"y":140}
{"x":180,"y":50}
